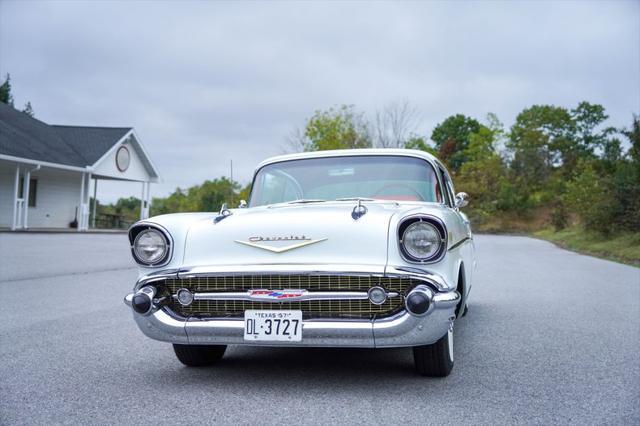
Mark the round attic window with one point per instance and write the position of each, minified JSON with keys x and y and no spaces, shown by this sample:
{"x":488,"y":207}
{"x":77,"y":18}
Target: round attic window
{"x":123,"y":158}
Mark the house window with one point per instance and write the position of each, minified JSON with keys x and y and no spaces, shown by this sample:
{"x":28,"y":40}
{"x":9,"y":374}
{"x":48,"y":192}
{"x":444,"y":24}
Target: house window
{"x":33,"y":190}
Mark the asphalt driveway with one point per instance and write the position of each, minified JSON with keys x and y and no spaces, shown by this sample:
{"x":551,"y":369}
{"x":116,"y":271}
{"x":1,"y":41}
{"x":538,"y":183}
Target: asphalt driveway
{"x":551,"y":337}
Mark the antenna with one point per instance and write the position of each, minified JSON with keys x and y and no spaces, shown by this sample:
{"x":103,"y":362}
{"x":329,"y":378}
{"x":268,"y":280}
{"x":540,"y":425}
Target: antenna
{"x":231,"y":176}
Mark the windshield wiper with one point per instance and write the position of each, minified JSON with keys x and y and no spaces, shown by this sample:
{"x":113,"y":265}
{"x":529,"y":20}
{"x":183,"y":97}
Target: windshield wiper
{"x":354,"y":199}
{"x":305,"y":201}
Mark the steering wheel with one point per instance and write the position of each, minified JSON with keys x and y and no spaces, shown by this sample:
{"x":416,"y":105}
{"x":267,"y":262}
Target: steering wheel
{"x":399,"y":185}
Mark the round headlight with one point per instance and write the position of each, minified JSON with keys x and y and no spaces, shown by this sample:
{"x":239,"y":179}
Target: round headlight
{"x":421,"y":240}
{"x":150,"y":246}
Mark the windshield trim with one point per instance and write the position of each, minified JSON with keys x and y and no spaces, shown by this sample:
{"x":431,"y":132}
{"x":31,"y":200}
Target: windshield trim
{"x":435,"y":168}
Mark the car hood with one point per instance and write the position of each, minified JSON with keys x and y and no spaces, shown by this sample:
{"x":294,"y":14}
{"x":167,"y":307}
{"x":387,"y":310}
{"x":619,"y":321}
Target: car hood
{"x":322,"y":233}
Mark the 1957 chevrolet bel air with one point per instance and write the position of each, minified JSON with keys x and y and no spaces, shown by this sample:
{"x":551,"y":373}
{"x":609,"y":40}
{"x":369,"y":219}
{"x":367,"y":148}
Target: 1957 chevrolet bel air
{"x":353,"y":248}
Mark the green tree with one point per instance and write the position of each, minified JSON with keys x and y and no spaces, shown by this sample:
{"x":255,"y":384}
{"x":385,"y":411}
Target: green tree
{"x":588,"y":119}
{"x":589,"y":195}
{"x":245,"y":193}
{"x":541,"y":139}
{"x":341,"y":128}
{"x":633,"y":134}
{"x":174,"y":203}
{"x":451,"y":138}
{"x":5,"y":91}
{"x":207,"y":197}
{"x":484,"y":171}
{"x":627,"y":180}
{"x":213,"y":193}
{"x":419,"y":143}
{"x":7,"y":97}
{"x":127,"y":204}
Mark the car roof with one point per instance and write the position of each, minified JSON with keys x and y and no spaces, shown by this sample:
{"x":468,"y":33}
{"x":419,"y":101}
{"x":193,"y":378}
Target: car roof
{"x":352,"y":152}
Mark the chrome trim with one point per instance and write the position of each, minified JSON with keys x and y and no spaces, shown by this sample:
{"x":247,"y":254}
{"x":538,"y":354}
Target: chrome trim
{"x":162,"y":326}
{"x":399,"y":330}
{"x":223,"y":214}
{"x":148,"y":291}
{"x":461,"y":200}
{"x":459,"y":243}
{"x":405,"y":329}
{"x":128,"y":299}
{"x":427,"y":218}
{"x":177,"y":296}
{"x":387,"y":295}
{"x":305,"y":296}
{"x":314,"y":333}
{"x":432,"y":278}
{"x":281,"y":249}
{"x":155,"y":276}
{"x":359,"y":210}
{"x":281,"y":269}
{"x":437,"y":281}
{"x":446,"y":300}
{"x":427,"y":292}
{"x":368,"y":152}
{"x":167,"y":257}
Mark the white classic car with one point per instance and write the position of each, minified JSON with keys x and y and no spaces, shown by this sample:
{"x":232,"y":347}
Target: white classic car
{"x":352,"y":248}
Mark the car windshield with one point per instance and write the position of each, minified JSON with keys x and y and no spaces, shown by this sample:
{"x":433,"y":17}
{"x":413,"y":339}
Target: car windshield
{"x":377,"y":177}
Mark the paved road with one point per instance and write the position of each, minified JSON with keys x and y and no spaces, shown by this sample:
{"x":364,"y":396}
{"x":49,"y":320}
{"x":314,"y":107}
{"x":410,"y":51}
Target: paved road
{"x":551,"y":337}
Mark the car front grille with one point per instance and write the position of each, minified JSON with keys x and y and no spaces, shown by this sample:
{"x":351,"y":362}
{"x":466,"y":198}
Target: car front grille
{"x":310,"y":309}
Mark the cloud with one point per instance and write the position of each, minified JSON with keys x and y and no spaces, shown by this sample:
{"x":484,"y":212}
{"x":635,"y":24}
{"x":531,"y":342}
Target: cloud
{"x":204,"y":83}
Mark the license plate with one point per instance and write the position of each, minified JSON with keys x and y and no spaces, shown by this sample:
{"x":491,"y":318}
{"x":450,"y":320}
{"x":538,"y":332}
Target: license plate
{"x":272,"y":326}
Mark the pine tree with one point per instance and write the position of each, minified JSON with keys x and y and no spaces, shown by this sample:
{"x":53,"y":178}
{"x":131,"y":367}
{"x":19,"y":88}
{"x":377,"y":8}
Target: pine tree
{"x":5,"y":91}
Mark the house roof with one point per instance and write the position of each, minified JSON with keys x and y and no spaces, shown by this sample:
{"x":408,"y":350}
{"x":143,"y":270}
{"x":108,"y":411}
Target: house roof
{"x":91,"y":142}
{"x":79,"y":146}
{"x":26,"y":137}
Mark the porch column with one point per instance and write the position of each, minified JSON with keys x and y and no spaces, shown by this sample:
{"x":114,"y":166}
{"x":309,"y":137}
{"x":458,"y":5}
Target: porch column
{"x":148,"y":200}
{"x":95,"y":202}
{"x":16,"y":185}
{"x":80,"y":207}
{"x":87,"y":201}
{"x":25,"y":199}
{"x":142,"y":200}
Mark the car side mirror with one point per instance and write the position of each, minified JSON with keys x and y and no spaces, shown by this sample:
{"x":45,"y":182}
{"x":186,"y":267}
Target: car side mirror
{"x":461,"y":199}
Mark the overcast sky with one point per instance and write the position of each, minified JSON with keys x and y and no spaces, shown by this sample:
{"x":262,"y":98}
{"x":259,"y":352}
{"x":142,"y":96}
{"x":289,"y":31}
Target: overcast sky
{"x":203,"y":83}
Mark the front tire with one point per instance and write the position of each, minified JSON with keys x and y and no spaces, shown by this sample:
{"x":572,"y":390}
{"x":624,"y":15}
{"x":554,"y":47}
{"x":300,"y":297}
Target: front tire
{"x":199,"y":355}
{"x":435,"y":360}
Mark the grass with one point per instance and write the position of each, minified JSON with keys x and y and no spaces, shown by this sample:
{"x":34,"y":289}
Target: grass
{"x":510,"y":222}
{"x":623,"y":248}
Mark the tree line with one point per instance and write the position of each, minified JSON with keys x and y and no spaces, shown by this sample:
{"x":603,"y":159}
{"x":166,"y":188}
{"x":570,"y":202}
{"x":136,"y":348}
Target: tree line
{"x":561,"y":166}
{"x":564,"y":164}
{"x":556,"y":165}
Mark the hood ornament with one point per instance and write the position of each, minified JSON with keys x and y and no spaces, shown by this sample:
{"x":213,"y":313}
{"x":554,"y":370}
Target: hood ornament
{"x":359,"y":210}
{"x":224,"y":213}
{"x":274,"y":243}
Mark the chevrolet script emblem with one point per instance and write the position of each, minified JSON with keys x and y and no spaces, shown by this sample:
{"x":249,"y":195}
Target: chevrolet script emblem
{"x":275,"y":244}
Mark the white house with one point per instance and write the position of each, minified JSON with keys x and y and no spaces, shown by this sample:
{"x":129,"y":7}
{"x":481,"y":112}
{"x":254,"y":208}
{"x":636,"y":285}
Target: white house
{"x":47,"y":172}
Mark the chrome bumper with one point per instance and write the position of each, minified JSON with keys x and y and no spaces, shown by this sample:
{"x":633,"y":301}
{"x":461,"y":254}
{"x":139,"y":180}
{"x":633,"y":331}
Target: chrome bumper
{"x":402,"y":329}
